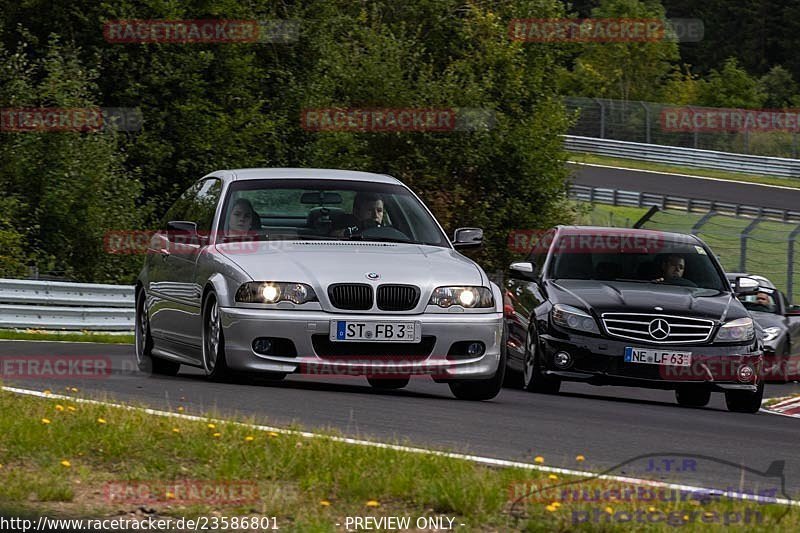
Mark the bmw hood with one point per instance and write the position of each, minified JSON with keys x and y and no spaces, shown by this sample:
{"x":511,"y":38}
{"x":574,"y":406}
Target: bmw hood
{"x":615,"y":296}
{"x":321,"y":263}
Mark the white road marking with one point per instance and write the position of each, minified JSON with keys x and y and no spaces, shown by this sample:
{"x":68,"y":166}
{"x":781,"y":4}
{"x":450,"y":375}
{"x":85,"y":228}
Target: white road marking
{"x":488,"y":461}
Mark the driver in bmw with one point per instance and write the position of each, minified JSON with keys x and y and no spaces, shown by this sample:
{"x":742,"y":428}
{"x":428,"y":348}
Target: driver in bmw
{"x":367,"y":213}
{"x":368,"y":209}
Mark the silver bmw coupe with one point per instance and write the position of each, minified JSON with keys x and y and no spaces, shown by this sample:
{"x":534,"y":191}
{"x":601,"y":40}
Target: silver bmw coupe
{"x":317,"y":272}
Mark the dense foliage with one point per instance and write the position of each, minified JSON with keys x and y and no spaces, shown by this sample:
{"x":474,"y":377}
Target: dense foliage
{"x":233,"y":105}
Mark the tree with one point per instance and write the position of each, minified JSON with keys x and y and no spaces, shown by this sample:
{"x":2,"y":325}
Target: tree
{"x":733,"y":87}
{"x":623,"y":70}
{"x":211,"y":106}
{"x":69,"y":187}
{"x":778,"y":88}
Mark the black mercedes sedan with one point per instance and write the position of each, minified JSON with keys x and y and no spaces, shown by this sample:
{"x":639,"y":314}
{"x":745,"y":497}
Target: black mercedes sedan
{"x":780,"y":325}
{"x":631,"y":307}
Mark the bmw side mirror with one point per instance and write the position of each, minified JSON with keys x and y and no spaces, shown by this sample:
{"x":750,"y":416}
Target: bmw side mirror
{"x":468,"y":238}
{"x":745,"y":285}
{"x":182,"y":232}
{"x":523,"y":270}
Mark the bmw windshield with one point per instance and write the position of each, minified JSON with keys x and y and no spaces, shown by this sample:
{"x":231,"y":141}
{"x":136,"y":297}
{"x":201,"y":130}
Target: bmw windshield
{"x":312,"y":209}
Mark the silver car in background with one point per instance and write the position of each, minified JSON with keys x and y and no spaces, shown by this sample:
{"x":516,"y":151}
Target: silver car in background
{"x":272,"y":271}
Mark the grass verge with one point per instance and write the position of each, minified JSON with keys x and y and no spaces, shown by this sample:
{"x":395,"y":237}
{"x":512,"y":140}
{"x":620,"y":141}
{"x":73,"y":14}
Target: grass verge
{"x":86,"y":336}
{"x":62,"y":458}
{"x":675,"y":169}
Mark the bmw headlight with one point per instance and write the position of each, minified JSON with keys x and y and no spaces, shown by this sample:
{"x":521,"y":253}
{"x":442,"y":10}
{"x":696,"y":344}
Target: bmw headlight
{"x":740,"y":329}
{"x":271,"y":292}
{"x":770,"y":334}
{"x":469,"y":297}
{"x":573,"y":318}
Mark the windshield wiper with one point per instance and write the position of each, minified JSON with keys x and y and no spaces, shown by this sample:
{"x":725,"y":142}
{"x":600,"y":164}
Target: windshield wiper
{"x":358,"y":237}
{"x":243,"y":238}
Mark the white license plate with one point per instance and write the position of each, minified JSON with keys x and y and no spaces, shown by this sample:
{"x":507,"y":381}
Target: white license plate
{"x":371,"y":331}
{"x":657,"y":357}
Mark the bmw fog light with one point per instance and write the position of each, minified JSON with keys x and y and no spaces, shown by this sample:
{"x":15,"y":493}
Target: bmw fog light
{"x":262,"y":345}
{"x":475,"y":348}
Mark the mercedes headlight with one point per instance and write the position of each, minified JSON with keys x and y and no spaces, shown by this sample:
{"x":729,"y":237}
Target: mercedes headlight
{"x":740,"y":329}
{"x":573,"y":318}
{"x":469,"y":297}
{"x":770,"y":334}
{"x":271,"y":292}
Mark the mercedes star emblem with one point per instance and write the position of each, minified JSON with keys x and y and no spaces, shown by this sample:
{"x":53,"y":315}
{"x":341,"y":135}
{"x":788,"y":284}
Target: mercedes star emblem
{"x":659,"y":329}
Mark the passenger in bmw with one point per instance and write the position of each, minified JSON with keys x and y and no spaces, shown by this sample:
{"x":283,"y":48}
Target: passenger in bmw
{"x":243,"y":217}
{"x":673,"y":267}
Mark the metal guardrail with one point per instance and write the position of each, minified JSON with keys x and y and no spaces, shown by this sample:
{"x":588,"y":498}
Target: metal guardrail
{"x":644,"y":199}
{"x":686,"y":157}
{"x":68,"y":306}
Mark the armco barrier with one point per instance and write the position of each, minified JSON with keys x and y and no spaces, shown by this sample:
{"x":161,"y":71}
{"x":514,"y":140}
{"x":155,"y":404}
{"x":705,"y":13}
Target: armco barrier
{"x":685,"y":157}
{"x":56,"y":305}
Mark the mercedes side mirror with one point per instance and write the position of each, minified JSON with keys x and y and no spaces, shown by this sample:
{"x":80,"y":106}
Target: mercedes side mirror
{"x":523,"y":270}
{"x":745,"y":285}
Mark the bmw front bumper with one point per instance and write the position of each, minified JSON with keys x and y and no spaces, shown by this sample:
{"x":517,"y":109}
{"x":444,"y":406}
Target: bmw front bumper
{"x":443,"y":334}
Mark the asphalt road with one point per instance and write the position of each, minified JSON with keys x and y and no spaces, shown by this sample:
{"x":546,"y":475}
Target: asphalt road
{"x":687,"y":187}
{"x":610,"y":426}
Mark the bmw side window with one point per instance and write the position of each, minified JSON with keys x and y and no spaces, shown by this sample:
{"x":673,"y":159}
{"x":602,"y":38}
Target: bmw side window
{"x":180,"y":210}
{"x":203,"y":205}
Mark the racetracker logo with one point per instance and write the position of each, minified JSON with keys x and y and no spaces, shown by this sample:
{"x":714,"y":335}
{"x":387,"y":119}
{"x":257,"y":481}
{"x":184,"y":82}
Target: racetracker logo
{"x":378,"y":120}
{"x":605,"y":30}
{"x":719,"y":119}
{"x":397,"y":119}
{"x":55,"y":367}
{"x":173,"y":242}
{"x":613,"y":495}
{"x":382,"y":367}
{"x":201,"y":31}
{"x":53,"y":119}
{"x":705,"y":368}
{"x":540,"y":241}
{"x":182,"y":492}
